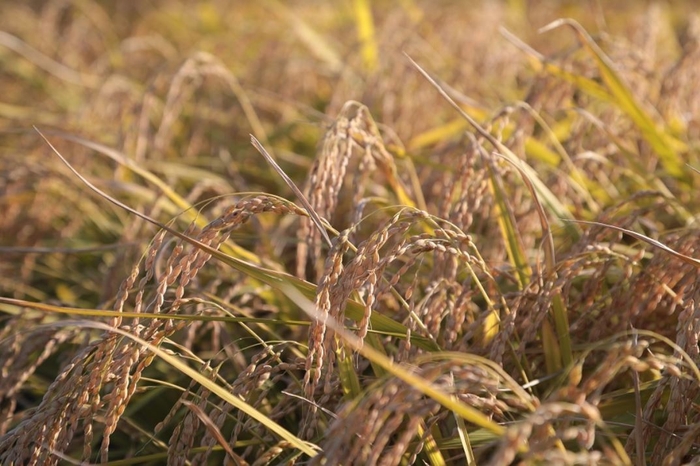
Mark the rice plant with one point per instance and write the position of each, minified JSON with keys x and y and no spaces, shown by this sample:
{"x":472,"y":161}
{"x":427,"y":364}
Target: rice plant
{"x":357,"y":233}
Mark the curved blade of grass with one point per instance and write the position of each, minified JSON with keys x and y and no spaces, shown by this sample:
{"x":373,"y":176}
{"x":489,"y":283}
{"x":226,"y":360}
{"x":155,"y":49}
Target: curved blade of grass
{"x":175,"y":198}
{"x":507,"y":224}
{"x":448,"y":401}
{"x":306,"y":447}
{"x":309,"y":209}
{"x":44,"y":307}
{"x":540,"y":63}
{"x":561,"y":350}
{"x":657,"y":244}
{"x":667,"y":147}
{"x":550,"y":200}
{"x":381,"y":325}
{"x":273,"y":278}
{"x":214,"y":431}
{"x":493,"y":368}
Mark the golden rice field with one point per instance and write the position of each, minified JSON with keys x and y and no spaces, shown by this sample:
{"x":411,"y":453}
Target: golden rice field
{"x":353,"y":232}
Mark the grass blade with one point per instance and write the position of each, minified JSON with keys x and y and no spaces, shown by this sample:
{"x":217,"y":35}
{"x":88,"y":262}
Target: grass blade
{"x":668,"y":148}
{"x":466,"y":412}
{"x":559,"y":210}
{"x":309,"y":209}
{"x":306,"y":447}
